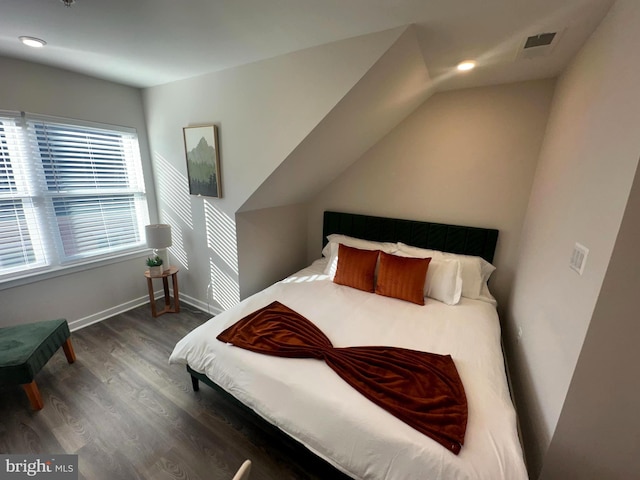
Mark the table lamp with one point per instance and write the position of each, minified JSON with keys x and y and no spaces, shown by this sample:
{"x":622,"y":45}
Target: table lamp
{"x":159,"y":238}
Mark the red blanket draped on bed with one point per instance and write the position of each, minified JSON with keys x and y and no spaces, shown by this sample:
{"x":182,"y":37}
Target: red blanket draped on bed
{"x":422,"y":389}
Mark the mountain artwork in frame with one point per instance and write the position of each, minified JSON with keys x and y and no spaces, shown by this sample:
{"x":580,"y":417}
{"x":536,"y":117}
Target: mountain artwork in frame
{"x":203,"y":160}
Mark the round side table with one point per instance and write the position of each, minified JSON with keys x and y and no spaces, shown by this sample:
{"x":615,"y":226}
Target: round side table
{"x":168,"y":308}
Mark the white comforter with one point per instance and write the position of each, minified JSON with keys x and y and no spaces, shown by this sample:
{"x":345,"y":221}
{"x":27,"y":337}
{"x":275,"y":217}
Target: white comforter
{"x":308,"y":401}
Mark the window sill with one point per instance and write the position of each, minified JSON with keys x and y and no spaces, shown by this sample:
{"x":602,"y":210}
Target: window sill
{"x":34,"y":277}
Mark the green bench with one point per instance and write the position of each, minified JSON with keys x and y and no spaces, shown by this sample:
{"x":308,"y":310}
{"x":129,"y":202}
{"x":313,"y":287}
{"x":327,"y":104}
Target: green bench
{"x":25,"y":349}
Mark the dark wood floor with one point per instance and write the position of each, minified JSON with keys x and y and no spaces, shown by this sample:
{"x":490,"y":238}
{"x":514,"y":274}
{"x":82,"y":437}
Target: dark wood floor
{"x":128,"y":414}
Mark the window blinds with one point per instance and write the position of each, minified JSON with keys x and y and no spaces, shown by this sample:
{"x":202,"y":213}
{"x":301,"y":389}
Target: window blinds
{"x":21,"y":244}
{"x":68,"y":192}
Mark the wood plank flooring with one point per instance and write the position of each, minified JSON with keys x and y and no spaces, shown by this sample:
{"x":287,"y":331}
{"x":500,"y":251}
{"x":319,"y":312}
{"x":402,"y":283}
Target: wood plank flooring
{"x":128,"y":414}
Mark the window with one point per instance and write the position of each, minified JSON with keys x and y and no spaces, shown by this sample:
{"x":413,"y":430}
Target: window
{"x":69,"y":192}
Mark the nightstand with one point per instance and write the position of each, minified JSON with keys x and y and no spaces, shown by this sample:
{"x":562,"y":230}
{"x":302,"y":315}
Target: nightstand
{"x":170,"y":272}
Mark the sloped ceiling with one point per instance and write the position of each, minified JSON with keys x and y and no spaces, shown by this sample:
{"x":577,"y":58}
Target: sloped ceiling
{"x":145,"y":43}
{"x":392,"y":88}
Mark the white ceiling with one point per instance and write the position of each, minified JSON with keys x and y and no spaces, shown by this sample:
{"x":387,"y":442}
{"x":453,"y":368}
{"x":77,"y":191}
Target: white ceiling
{"x":151,"y":42}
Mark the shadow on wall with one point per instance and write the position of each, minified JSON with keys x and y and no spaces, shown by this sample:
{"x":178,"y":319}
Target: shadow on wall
{"x":223,"y":285}
{"x":174,"y":191}
{"x":223,"y":290}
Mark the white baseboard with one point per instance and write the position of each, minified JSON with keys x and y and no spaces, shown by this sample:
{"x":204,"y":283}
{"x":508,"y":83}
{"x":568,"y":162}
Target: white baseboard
{"x":136,"y":302}
{"x":205,"y":307}
{"x":104,"y":314}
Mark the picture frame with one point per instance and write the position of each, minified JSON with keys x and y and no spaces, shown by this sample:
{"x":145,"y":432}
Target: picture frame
{"x":203,"y":160}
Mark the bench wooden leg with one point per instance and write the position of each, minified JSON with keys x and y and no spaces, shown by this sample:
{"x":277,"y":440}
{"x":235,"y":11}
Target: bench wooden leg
{"x":31,"y":389}
{"x":68,"y":351}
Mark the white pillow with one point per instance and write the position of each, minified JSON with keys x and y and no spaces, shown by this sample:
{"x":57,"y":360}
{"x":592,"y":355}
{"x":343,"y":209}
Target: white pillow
{"x":331,"y":249}
{"x":475,"y":275}
{"x":419,"y":252}
{"x":475,"y":271}
{"x":443,"y":281}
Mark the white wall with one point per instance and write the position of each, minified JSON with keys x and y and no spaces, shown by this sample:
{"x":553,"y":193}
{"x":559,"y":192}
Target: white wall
{"x":103,"y":291}
{"x":465,"y":157}
{"x":581,"y":187}
{"x":263,"y":110}
{"x":597,"y":433}
{"x":395,"y":85}
{"x":273,"y":242}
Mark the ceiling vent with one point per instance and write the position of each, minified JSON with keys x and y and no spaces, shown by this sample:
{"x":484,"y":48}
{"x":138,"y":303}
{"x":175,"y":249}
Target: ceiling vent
{"x":539,"y":45}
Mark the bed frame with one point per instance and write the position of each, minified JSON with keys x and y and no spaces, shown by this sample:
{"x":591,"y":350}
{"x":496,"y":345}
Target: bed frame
{"x":437,"y":236}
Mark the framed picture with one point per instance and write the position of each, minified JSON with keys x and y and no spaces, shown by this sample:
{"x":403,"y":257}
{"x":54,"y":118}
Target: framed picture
{"x":203,"y":160}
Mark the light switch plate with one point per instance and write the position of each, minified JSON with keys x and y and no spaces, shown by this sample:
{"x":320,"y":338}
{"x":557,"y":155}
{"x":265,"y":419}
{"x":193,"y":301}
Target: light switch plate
{"x":579,"y":258}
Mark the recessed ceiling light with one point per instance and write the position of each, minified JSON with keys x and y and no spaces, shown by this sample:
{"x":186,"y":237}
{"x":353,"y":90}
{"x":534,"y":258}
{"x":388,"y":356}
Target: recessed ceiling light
{"x":33,"y":42}
{"x":466,"y":65}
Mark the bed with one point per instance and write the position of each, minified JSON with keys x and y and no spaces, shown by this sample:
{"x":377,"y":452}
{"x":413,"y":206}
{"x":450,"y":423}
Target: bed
{"x":305,"y":398}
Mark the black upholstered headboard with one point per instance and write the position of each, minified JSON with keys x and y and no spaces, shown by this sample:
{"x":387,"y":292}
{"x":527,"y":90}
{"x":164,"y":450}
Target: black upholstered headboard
{"x":436,"y":236}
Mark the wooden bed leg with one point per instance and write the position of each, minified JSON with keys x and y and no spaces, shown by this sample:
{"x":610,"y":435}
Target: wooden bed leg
{"x":68,"y":351}
{"x":195,"y":384}
{"x":31,"y":389}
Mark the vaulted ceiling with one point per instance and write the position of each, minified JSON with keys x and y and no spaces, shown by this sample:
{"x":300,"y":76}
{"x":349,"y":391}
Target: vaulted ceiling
{"x":151,"y":42}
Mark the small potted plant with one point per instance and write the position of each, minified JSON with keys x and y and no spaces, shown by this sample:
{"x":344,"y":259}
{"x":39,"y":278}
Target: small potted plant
{"x":155,"y":266}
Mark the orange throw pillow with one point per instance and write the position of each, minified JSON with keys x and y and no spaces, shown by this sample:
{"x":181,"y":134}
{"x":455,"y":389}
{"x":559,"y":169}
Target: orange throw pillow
{"x":402,"y":277}
{"x":356,"y":267}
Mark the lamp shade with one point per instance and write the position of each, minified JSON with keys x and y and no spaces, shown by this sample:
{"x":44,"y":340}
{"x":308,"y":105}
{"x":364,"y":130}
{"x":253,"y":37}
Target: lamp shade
{"x":158,"y":235}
